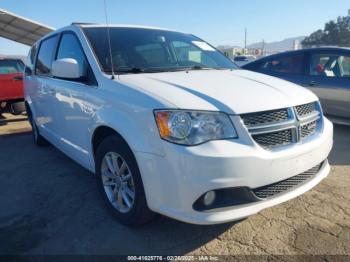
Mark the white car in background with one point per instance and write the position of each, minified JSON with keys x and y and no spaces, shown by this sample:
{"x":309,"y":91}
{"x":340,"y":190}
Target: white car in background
{"x":169,"y":125}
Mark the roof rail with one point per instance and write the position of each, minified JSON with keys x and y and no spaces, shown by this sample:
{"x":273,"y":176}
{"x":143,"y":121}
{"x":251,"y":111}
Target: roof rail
{"x":82,"y":23}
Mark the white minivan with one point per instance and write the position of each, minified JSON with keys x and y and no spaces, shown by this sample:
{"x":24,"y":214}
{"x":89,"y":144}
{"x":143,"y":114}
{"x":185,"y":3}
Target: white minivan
{"x":169,"y":125}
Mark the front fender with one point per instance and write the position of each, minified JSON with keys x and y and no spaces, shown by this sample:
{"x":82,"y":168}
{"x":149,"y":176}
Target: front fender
{"x":137,"y":127}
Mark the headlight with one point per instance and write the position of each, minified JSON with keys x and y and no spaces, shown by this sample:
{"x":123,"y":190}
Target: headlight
{"x":193,"y":127}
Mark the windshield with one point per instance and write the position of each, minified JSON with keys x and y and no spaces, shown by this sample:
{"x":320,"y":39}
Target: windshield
{"x":11,"y":66}
{"x":136,"y":50}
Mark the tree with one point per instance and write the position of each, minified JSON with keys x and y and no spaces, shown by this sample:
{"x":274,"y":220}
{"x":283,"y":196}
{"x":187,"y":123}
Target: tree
{"x":335,"y":33}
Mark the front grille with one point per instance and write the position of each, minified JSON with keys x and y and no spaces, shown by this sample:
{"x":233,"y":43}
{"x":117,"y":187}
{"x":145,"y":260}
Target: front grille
{"x":304,"y":110}
{"x":308,"y":129}
{"x":270,"y":140}
{"x":282,"y":186}
{"x":267,"y":117}
{"x":297,"y":123}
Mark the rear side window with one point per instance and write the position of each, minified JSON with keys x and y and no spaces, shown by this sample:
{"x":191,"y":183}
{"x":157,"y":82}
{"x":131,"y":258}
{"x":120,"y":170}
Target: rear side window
{"x":45,"y":56}
{"x":284,"y":64}
{"x":330,"y":65}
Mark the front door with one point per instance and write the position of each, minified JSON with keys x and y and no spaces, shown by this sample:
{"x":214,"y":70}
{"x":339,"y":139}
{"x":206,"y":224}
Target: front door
{"x":74,"y":106}
{"x":329,"y":79}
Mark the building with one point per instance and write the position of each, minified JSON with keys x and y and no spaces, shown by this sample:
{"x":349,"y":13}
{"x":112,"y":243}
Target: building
{"x":232,"y":51}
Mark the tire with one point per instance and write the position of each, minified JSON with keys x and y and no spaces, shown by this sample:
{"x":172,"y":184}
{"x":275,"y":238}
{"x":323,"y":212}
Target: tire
{"x":115,"y":151}
{"x":37,"y":138}
{"x":17,"y":108}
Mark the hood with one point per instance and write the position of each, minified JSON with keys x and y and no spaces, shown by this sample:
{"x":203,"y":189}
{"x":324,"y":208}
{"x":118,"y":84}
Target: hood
{"x":233,"y":92}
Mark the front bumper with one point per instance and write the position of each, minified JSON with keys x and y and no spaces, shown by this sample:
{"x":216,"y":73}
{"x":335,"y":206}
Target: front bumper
{"x":174,"y":182}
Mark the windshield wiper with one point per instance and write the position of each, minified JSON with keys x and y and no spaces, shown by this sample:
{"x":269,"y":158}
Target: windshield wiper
{"x":133,"y":70}
{"x":197,"y":67}
{"x":138,"y":70}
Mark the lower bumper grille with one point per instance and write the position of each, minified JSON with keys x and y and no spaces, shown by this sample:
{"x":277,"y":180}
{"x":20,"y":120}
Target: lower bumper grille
{"x":282,"y":186}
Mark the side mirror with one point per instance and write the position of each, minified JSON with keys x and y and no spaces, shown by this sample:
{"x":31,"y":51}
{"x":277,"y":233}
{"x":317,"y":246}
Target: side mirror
{"x":67,"y":68}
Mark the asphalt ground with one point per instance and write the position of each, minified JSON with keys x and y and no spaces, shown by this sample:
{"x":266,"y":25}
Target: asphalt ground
{"x":50,"y":205}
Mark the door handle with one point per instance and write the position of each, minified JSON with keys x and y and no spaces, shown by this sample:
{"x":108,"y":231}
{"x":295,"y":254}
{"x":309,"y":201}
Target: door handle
{"x":17,"y":78}
{"x":313,"y":83}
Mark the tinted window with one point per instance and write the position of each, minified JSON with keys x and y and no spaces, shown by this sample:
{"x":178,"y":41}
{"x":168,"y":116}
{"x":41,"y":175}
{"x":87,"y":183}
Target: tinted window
{"x":11,"y":66}
{"x":284,"y":64}
{"x":152,"y":54}
{"x":153,"y":50}
{"x":45,"y":57}
{"x":330,"y":65}
{"x":70,"y":48}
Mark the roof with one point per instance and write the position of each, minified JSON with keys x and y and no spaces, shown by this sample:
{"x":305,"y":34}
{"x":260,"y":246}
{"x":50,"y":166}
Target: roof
{"x":93,"y":25}
{"x":20,"y":29}
{"x":321,"y":48}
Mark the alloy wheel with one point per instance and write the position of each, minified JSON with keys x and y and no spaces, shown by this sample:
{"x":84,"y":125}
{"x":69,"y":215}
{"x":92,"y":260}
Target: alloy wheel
{"x":118,"y":182}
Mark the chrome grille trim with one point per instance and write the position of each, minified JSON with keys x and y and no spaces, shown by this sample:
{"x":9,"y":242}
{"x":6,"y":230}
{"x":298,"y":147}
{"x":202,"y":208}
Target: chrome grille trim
{"x":306,"y":109}
{"x":295,"y":125}
{"x":268,"y":140}
{"x":274,"y":189}
{"x":308,"y":129}
{"x":268,"y":117}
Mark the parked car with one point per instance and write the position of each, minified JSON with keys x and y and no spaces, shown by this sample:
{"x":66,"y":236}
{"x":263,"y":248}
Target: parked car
{"x":11,"y":86}
{"x":169,"y":125}
{"x":241,"y":60}
{"x":325,"y":71}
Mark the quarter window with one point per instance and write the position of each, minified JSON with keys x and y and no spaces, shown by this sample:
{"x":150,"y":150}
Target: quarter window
{"x":45,"y":57}
{"x":29,"y":69}
{"x":330,"y":65}
{"x":285,"y":64}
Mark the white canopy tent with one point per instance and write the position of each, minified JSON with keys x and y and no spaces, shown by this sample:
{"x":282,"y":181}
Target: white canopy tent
{"x":20,"y":29}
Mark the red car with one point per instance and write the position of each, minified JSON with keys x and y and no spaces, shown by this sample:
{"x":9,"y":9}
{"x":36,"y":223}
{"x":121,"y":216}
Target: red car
{"x":11,"y":86}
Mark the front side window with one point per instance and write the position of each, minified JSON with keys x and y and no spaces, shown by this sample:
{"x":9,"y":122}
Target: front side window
{"x":150,"y":50}
{"x":11,"y":66}
{"x":70,"y":48}
{"x":330,"y":65}
{"x":45,"y":56}
{"x":285,"y":64}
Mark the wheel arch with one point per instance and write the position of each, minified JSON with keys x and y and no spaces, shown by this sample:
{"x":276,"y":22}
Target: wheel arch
{"x":102,"y":132}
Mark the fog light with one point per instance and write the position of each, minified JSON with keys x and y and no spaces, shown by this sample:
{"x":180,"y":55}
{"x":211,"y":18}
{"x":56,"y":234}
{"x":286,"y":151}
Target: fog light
{"x":209,"y":198}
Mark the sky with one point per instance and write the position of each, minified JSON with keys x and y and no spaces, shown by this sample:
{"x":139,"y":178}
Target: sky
{"x":220,"y":22}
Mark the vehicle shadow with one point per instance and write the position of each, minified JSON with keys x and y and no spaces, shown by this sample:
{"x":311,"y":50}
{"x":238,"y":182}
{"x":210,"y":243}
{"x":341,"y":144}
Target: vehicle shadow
{"x":341,"y":148}
{"x":2,"y":120}
{"x":51,"y":205}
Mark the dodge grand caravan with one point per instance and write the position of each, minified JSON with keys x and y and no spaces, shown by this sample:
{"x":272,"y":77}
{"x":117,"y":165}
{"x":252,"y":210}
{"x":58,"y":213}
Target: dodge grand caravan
{"x":169,"y":125}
